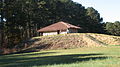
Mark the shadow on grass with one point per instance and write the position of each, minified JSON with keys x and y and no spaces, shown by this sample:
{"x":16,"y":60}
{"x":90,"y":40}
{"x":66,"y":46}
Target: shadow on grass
{"x":25,"y":54}
{"x":18,"y":53}
{"x":49,"y":60}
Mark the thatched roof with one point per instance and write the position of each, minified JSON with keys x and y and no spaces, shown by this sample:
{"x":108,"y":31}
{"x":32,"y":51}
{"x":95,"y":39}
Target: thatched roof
{"x":58,"y":26}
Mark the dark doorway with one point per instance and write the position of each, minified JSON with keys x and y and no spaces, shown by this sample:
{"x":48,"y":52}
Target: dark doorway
{"x":58,"y":31}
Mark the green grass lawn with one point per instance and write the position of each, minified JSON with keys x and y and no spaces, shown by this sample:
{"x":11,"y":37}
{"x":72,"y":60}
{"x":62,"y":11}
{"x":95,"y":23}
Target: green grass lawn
{"x":79,"y":57}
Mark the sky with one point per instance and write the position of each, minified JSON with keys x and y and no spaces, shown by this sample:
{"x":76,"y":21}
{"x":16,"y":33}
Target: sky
{"x":108,"y":9}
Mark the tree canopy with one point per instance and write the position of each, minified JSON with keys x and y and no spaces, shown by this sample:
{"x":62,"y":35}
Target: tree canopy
{"x":113,"y":28}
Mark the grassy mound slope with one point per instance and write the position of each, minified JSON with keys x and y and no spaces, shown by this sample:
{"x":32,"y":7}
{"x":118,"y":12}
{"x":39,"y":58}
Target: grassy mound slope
{"x":66,"y":41}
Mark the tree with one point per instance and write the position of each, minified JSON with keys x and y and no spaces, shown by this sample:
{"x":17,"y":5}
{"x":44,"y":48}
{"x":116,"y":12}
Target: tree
{"x":94,"y":15}
{"x":1,"y":22}
{"x":113,"y":28}
{"x":94,"y":20}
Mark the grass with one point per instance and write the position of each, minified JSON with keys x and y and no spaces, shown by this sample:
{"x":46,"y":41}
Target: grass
{"x":80,"y":57}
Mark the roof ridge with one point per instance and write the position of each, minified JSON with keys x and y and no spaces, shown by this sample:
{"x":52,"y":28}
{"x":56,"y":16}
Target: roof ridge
{"x":66,"y":24}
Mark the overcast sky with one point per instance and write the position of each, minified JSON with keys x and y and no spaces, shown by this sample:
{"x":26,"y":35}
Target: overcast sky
{"x":108,"y":9}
